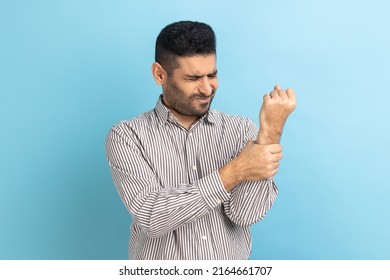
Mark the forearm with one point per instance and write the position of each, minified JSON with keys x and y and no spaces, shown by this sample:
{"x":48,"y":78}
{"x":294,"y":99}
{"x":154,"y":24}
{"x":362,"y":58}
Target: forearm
{"x":250,"y":201}
{"x":161,"y":214}
{"x":248,"y":178}
{"x":158,"y":209}
{"x":159,"y":206}
{"x":230,"y":175}
{"x":268,"y":136}
{"x":254,"y":163}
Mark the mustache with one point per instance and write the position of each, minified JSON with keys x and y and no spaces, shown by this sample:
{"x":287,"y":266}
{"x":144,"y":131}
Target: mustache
{"x":201,"y":95}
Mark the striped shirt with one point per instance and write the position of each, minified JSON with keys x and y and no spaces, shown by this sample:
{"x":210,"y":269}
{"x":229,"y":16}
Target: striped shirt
{"x":167,"y":177}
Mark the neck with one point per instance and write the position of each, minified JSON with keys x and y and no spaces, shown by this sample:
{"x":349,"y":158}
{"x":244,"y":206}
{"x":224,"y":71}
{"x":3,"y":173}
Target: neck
{"x":185,"y":121}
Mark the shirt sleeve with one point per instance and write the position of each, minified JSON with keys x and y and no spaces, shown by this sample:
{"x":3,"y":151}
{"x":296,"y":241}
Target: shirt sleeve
{"x":250,"y":200}
{"x":156,"y":209}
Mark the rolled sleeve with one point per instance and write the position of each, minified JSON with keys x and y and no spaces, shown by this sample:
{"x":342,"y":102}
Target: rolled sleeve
{"x":212,"y":190}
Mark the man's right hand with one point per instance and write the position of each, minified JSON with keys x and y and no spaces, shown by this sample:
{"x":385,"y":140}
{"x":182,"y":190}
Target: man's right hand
{"x":255,"y":162}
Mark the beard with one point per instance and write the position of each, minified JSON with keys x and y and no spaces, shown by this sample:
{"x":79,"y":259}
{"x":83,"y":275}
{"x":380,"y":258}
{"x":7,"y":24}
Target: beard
{"x":177,"y":100}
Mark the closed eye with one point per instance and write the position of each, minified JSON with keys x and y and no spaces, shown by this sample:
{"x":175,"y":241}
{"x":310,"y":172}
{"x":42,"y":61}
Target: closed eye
{"x":212,"y":75}
{"x":194,"y":78}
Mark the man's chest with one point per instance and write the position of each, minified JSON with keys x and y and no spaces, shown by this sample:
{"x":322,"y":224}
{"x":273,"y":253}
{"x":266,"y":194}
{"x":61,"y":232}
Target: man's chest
{"x":178,"y":156}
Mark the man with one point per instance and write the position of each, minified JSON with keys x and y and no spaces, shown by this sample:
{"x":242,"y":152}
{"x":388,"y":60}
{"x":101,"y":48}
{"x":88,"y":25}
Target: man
{"x":195,"y":179}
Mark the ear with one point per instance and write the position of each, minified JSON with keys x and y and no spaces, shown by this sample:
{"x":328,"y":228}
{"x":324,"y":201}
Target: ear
{"x":159,"y":73}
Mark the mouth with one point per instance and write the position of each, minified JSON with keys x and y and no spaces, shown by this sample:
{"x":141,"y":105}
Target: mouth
{"x":203,"y":99}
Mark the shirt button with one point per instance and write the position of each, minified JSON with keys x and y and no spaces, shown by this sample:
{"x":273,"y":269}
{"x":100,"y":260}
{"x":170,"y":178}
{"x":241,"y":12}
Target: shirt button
{"x":194,"y":167}
{"x":204,"y":237}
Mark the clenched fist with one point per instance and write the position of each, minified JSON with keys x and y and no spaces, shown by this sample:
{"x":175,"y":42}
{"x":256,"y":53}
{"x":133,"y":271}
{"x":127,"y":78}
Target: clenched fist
{"x":277,"y":106}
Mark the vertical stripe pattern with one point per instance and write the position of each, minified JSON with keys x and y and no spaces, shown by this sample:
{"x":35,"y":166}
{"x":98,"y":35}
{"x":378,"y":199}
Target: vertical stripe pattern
{"x":167,"y":177}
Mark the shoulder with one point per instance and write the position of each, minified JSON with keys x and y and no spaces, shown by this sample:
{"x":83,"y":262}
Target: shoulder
{"x":129,"y":129}
{"x":238,"y":127}
{"x":232,"y":121}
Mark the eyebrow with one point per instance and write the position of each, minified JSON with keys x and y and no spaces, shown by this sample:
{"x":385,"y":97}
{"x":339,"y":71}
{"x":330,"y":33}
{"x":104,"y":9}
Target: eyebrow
{"x":200,"y":76}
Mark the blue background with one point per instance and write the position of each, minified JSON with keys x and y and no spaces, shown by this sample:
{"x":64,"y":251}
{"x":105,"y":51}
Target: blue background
{"x":69,"y":70}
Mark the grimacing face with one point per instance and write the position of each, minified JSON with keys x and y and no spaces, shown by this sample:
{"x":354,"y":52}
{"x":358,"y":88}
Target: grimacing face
{"x":190,"y":89}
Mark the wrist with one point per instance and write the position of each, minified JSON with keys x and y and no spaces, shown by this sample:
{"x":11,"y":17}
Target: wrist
{"x":268,"y":136}
{"x":230,"y":175}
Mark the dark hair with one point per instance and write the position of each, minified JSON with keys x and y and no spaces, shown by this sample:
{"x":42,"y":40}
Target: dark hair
{"x":183,"y":38}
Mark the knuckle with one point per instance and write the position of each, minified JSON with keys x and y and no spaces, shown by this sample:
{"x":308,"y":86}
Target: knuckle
{"x":292,"y":102}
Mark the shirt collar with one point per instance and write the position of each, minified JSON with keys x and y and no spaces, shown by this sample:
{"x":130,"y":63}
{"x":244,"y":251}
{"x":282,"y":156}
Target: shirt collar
{"x":164,"y":114}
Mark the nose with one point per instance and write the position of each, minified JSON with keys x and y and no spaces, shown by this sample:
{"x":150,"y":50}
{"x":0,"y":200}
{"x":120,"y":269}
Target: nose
{"x":206,"y":88}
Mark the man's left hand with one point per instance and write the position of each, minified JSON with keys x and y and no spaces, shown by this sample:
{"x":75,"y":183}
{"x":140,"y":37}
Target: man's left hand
{"x":277,"y":106}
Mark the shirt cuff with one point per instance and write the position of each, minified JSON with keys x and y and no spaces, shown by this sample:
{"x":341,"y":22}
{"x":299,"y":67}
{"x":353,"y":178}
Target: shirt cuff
{"x":212,"y":190}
